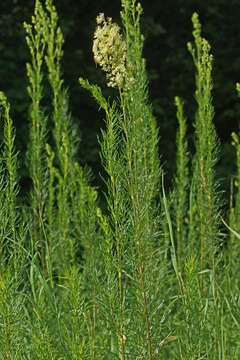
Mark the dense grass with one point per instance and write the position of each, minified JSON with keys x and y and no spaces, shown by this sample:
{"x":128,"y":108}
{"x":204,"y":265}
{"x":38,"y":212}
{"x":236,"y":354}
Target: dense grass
{"x":154,"y":277}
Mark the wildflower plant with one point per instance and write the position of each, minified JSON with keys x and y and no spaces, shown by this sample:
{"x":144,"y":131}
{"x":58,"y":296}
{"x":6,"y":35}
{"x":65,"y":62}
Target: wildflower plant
{"x":146,"y":277}
{"x":130,"y":158}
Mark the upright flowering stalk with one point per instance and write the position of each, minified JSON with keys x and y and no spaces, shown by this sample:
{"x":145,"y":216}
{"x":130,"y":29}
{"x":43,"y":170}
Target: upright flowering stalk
{"x":109,"y":51}
{"x":130,"y":158}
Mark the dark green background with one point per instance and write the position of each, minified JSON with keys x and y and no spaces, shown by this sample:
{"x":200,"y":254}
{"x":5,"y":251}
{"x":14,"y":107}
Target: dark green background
{"x":167,"y":28}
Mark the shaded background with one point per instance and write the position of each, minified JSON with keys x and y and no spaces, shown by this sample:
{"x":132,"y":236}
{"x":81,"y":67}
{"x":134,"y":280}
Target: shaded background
{"x":167,"y":28}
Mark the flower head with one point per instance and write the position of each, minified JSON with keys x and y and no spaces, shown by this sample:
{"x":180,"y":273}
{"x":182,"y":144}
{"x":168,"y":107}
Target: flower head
{"x":109,"y":50}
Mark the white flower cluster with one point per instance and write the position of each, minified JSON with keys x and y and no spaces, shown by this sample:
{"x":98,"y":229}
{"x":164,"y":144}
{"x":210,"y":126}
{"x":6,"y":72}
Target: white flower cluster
{"x":109,"y":50}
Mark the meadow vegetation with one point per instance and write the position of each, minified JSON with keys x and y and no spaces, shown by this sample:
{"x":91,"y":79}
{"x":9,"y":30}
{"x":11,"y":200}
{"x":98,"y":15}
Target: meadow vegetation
{"x":154,"y":275}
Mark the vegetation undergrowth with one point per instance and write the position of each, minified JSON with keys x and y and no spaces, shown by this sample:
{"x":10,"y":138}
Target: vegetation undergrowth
{"x":155,"y":276}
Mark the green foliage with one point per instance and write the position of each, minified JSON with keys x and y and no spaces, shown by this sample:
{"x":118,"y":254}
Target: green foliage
{"x":146,"y":278}
{"x":181,"y":183}
{"x":129,"y":153}
{"x":204,"y":180}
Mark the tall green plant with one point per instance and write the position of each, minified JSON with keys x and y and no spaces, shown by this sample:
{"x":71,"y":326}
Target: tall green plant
{"x":204,"y":207}
{"x":207,"y":222}
{"x":67,"y":200}
{"x":36,"y":158}
{"x":12,"y":254}
{"x":143,"y":169}
{"x":130,"y":158}
{"x":108,"y":285}
{"x":10,"y":164}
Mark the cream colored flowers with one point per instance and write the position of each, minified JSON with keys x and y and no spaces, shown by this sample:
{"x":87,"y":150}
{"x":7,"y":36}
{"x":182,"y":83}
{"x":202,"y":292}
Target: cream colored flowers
{"x":109,"y":50}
